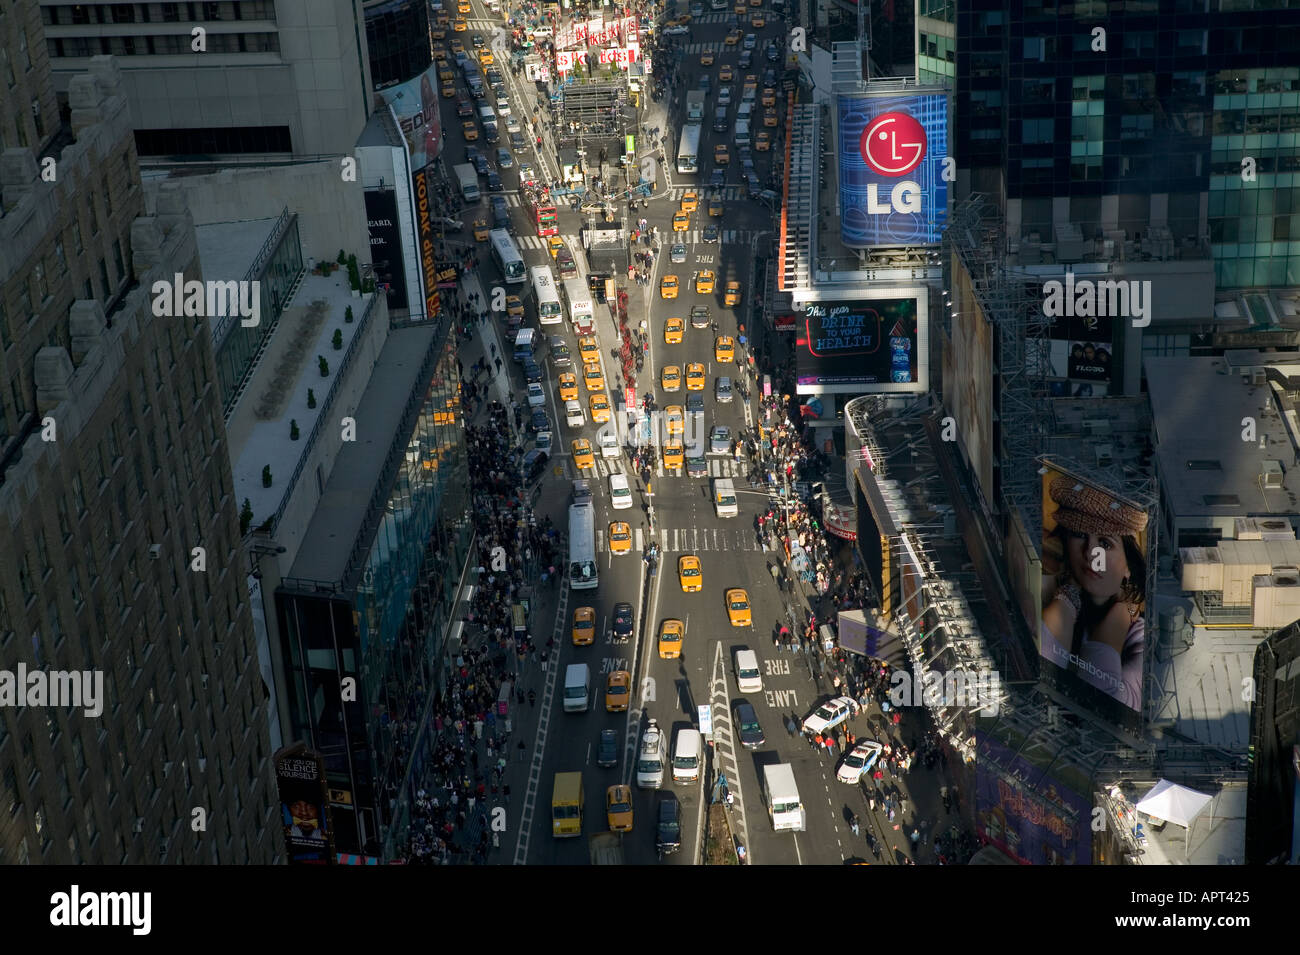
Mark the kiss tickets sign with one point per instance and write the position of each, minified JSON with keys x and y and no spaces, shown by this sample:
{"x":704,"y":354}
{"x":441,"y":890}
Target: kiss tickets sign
{"x":892,"y":149}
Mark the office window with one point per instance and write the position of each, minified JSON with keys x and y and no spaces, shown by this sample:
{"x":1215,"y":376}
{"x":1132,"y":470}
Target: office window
{"x":78,"y":494}
{"x":11,"y":794}
{"x":171,"y":12}
{"x":117,"y":257}
{"x":8,"y":68}
{"x":1036,"y":130}
{"x":74,"y":586}
{"x":24,"y":55}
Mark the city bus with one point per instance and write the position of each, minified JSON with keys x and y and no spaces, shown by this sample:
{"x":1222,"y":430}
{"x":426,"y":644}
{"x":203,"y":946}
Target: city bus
{"x":688,"y":151}
{"x":566,"y":805}
{"x":549,"y":310}
{"x":582,"y":547}
{"x":507,"y":257}
{"x":541,"y":211}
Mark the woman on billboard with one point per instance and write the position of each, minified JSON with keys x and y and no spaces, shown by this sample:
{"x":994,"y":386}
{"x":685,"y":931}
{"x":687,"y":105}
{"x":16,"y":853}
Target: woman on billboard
{"x":1092,"y":625}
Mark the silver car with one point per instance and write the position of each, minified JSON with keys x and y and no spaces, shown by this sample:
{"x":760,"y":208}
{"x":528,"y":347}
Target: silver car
{"x":722,"y":389}
{"x":720,"y":439}
{"x":677,"y":254}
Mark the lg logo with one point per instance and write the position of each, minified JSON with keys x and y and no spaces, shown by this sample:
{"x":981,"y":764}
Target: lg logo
{"x":893,"y":145}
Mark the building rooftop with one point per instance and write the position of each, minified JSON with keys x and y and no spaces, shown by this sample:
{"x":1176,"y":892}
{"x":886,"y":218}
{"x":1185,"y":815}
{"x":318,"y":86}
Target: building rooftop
{"x":1206,"y":467}
{"x":342,"y":511}
{"x":277,"y":392}
{"x":227,"y":250}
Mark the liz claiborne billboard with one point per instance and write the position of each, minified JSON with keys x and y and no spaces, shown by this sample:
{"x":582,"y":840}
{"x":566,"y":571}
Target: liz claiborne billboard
{"x":892,"y":151}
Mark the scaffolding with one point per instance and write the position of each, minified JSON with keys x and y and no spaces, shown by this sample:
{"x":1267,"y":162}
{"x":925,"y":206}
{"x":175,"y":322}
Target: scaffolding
{"x":1012,"y":302}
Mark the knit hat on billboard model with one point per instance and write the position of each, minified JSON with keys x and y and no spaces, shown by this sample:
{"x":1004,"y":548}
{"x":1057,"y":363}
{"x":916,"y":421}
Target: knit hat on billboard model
{"x":1088,"y":510}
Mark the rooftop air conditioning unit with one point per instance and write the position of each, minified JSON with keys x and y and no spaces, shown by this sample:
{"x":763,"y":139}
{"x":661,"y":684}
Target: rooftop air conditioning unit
{"x":1105,"y":456}
{"x":1271,"y":473}
{"x":1259,"y":376}
{"x":1096,"y":427}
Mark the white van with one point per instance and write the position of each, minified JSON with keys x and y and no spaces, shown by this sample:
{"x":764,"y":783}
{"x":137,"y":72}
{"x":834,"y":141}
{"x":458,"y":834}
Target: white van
{"x":577,"y":688}
{"x":724,"y":497}
{"x":784,"y":807}
{"x":523,"y":344}
{"x":574,"y":416}
{"x":745,"y":110}
{"x":748,"y":679}
{"x":619,"y":492}
{"x":486,"y":113}
{"x":687,"y":756}
{"x":607,"y":438}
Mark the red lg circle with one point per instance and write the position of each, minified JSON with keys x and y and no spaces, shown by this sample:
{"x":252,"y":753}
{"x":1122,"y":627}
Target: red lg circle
{"x":893,"y":144}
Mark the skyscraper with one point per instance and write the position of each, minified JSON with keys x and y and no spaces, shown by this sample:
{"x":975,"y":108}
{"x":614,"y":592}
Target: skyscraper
{"x":118,"y":534}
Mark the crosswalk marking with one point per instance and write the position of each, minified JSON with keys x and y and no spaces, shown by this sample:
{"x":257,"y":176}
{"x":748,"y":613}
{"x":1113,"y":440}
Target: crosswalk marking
{"x":676,"y":540}
{"x":719,"y":466}
{"x":728,"y":192}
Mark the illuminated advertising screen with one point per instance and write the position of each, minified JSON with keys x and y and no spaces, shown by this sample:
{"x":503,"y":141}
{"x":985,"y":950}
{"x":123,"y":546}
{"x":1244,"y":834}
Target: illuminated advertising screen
{"x":1032,"y":817}
{"x":1092,"y":629}
{"x":304,"y":806}
{"x":386,"y":246}
{"x":863,"y":341}
{"x":892,"y":151}
{"x":415,"y":104}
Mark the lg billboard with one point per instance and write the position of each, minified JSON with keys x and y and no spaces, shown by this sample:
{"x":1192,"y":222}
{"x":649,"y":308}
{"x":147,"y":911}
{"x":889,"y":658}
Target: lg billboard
{"x":892,"y":151}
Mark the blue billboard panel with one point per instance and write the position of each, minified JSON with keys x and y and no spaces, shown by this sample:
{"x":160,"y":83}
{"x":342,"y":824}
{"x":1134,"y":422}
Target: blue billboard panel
{"x":891,"y":150}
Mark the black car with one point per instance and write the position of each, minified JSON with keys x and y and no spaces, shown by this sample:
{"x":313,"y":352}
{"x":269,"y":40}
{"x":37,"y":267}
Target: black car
{"x":504,"y":159}
{"x":500,"y":213}
{"x":718,"y":178}
{"x":539,"y":421}
{"x":668,"y":829}
{"x":559,"y":352}
{"x":746,"y":59}
{"x":769,"y":77}
{"x":490,"y":133}
{"x":517,"y":140}
{"x":534,"y":464}
{"x":710,"y":233}
{"x":694,"y":403}
{"x":481,"y":164}
{"x":581,"y":491}
{"x":773,"y":54}
{"x":564,"y":262}
{"x":476,"y":41}
{"x":465,"y":109}
{"x":494,"y":181}
{"x":533,"y":371}
{"x":472,"y":155}
{"x":696,"y":466}
{"x":700,"y":316}
{"x":477,"y":91}
{"x":607,"y":750}
{"x":494,"y":77}
{"x":751,"y":733}
{"x":622,"y":619}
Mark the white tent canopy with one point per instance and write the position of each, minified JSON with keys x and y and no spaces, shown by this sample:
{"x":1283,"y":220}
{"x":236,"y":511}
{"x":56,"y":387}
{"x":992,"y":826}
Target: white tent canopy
{"x":1174,"y":803}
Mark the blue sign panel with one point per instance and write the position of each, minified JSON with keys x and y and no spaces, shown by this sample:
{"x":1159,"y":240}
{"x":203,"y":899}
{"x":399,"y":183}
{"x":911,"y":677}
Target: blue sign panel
{"x":892,"y":151}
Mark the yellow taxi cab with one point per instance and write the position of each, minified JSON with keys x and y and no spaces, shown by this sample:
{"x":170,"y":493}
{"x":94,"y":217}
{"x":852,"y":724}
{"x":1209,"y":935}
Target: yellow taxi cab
{"x":724,"y":348}
{"x":670,"y":639}
{"x":733,"y":38}
{"x":715,"y":207}
{"x":763,"y":141}
{"x":758,"y":22}
{"x":554,"y":244}
{"x":598,"y":405}
{"x":445,"y":73}
{"x":751,"y":81}
{"x":674,"y":453}
{"x":439,"y":32}
{"x":704,"y":282}
{"x":690,"y":201}
{"x":668,"y":286}
{"x":695,"y":377}
{"x":740,"y":9}
{"x":485,"y":57}
{"x":770,"y":118}
{"x":755,"y":3}
{"x":732,"y":295}
{"x":448,"y":90}
{"x":443,"y":18}
{"x":706,"y":58}
{"x":670,"y":379}
{"x":460,"y":26}
{"x":480,"y":230}
{"x":674,"y":420}
{"x":584,"y":459}
{"x":462,"y":6}
{"x":457,"y":45}
{"x":617,"y":690}
{"x":514,"y":306}
{"x":620,"y":537}
{"x":589,"y":349}
{"x":769,"y":96}
{"x":568,"y":386}
{"x":681,"y":222}
{"x":593,"y":377}
{"x":721,"y":155}
{"x":679,"y":21}
{"x":618,"y":807}
{"x":441,"y":53}
{"x":738,"y":611}
{"x":690,"y":574}
{"x":726,"y":74}
{"x":673,"y":330}
{"x":584,"y":626}
{"x":469,"y":129}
